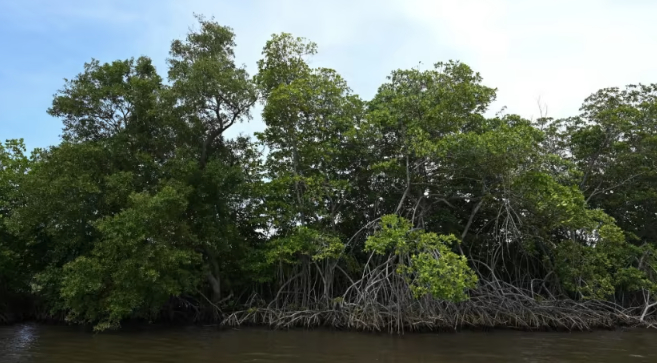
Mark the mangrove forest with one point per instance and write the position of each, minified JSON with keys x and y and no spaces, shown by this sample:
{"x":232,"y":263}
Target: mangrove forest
{"x":414,"y":210}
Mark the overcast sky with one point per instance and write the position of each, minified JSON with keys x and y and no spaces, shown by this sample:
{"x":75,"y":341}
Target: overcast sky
{"x":558,"y":50}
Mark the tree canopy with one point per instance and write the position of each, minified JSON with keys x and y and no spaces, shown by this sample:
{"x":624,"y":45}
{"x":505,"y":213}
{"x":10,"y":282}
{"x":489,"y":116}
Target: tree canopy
{"x":377,"y":214}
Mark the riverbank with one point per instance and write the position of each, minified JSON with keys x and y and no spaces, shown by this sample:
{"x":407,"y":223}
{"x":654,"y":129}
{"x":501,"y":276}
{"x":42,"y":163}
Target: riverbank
{"x":481,"y":312}
{"x":550,"y":316}
{"x":493,"y":305}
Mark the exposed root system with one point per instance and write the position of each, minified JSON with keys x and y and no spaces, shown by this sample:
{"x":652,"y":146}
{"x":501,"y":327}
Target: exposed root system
{"x":492,"y":305}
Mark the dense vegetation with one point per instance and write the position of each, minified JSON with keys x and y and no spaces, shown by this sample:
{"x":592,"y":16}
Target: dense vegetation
{"x":412,"y":210}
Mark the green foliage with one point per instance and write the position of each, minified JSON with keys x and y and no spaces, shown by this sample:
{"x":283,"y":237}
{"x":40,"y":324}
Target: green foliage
{"x":304,"y":241}
{"x":147,"y":202}
{"x":421,"y":107}
{"x":283,"y":61}
{"x":425,"y":259}
{"x":14,"y":272}
{"x":614,"y":141}
{"x":212,"y":91}
{"x":140,"y":262}
{"x":107,"y":98}
{"x":602,"y":263}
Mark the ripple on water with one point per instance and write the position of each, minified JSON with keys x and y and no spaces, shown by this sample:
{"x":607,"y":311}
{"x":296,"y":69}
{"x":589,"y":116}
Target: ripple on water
{"x":30,"y":343}
{"x":17,"y":342}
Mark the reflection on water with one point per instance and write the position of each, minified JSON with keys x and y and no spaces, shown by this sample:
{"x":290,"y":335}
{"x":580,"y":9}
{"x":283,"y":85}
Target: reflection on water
{"x":35,"y":343}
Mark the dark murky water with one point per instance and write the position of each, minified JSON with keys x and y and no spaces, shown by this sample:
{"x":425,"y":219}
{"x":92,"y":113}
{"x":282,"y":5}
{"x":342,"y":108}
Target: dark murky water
{"x":35,"y":343}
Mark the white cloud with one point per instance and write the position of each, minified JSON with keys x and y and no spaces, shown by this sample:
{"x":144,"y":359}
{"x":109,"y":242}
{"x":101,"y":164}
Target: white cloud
{"x":558,"y":50}
{"x":561,"y":51}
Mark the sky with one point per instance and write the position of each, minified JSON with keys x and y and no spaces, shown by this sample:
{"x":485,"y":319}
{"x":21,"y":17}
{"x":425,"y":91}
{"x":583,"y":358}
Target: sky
{"x":555,"y":51}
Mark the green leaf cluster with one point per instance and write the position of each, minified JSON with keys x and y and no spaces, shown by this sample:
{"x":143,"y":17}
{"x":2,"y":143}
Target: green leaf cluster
{"x":424,"y":259}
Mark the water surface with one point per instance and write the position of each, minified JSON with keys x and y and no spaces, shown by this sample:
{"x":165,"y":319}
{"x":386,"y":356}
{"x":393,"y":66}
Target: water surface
{"x":37,"y":343}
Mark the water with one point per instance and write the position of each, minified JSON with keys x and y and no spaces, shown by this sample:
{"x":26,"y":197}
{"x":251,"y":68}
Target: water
{"x":35,"y":343}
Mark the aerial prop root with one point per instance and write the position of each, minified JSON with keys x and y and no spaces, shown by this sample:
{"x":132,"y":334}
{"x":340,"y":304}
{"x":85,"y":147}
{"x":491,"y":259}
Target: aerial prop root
{"x":388,"y":305}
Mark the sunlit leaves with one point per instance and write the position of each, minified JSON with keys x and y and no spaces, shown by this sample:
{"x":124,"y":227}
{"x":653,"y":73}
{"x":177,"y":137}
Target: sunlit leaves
{"x":424,"y":259}
{"x":421,"y":107}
